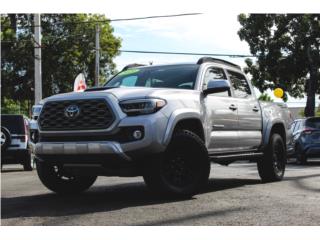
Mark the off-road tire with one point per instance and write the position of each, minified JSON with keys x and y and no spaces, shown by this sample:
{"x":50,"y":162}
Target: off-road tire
{"x":182,"y":170}
{"x":271,"y":166}
{"x":53,"y":178}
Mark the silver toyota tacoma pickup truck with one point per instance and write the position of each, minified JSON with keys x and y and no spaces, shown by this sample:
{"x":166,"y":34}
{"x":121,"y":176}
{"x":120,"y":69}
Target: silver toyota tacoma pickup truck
{"x":166,"y":123}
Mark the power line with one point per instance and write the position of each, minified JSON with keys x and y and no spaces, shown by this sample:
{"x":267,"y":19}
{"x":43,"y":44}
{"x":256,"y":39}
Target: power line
{"x":122,"y":19}
{"x":188,"y":53}
{"x":164,"y":52}
{"x":159,"y":16}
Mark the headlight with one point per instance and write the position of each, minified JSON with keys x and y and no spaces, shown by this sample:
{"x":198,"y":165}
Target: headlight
{"x":36,"y":109}
{"x":142,"y":106}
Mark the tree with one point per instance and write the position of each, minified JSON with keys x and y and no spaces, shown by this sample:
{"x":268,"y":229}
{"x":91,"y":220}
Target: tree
{"x":265,"y":97}
{"x":287,"y":51}
{"x":68,"y":48}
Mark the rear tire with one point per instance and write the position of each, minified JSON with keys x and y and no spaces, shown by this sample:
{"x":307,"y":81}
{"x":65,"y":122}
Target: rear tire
{"x":272,"y":166}
{"x":301,"y":157}
{"x":182,"y":170}
{"x":55,"y":179}
{"x":27,"y":162}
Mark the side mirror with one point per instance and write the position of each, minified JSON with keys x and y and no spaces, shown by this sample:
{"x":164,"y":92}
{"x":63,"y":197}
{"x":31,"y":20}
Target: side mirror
{"x":216,"y":86}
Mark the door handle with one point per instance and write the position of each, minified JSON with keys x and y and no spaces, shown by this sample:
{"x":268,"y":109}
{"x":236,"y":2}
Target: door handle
{"x":233,"y":107}
{"x":255,"y":109}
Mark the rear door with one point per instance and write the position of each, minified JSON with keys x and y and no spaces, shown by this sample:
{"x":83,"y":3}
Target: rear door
{"x":249,"y":112}
{"x":223,"y":119}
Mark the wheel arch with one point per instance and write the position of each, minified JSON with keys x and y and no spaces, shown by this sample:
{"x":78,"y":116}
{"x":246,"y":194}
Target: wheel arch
{"x":184,"y":119}
{"x":275,"y":127}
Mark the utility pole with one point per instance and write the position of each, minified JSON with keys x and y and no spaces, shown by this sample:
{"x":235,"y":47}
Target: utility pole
{"x":97,"y":64}
{"x":37,"y":59}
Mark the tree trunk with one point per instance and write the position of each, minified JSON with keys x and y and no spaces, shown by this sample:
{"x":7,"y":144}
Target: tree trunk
{"x":309,"y":110}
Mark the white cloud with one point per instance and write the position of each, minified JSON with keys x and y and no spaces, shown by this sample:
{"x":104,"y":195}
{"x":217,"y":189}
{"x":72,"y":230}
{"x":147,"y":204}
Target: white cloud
{"x":209,"y":32}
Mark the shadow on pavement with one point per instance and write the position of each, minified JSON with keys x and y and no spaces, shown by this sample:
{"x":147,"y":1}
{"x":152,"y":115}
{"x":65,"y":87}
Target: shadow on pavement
{"x":100,"y":199}
{"x":299,"y":182}
{"x":12,"y":170}
{"x":191,"y":217}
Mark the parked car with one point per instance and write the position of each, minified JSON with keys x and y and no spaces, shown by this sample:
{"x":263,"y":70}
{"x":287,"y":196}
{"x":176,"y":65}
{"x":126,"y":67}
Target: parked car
{"x":14,"y":141}
{"x":165,"y":123}
{"x":33,"y":125}
{"x":305,"y":139}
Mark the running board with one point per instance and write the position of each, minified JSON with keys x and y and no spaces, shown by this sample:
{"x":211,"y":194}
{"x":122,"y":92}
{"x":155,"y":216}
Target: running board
{"x":229,"y":158}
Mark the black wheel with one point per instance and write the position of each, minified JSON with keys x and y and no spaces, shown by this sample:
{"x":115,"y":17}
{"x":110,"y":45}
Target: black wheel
{"x":27,"y":162}
{"x":300,"y":156}
{"x":5,"y":138}
{"x":55,"y":179}
{"x":183,"y":169}
{"x":272,"y":166}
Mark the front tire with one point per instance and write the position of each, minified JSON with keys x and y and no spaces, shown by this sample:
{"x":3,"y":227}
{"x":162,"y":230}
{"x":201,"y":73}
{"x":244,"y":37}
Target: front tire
{"x":272,"y":166}
{"x":182,"y":170}
{"x":55,"y":179}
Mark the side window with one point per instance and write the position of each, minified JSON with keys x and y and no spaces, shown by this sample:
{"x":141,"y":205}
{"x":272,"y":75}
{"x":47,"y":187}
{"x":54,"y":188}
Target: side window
{"x":292,"y":126}
{"x":212,"y":74}
{"x":129,"y":81}
{"x":297,"y":126}
{"x":240,"y":85}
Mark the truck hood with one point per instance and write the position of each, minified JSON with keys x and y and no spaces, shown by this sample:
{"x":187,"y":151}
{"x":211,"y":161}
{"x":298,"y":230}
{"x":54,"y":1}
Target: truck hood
{"x":124,"y":93}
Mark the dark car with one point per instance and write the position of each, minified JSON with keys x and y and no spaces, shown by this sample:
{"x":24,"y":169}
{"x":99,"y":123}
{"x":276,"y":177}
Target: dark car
{"x":305,"y":141}
{"x":14,"y":141}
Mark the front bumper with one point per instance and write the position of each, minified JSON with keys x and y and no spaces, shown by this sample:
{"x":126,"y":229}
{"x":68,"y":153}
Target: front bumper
{"x":80,"y":148}
{"x":154,"y":126}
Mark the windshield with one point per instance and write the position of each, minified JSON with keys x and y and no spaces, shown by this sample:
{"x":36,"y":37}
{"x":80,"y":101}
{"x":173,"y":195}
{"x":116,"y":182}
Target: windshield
{"x":173,"y":76}
{"x":313,"y":122}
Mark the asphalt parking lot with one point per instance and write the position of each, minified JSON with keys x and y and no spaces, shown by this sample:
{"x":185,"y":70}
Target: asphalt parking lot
{"x":234,"y":196}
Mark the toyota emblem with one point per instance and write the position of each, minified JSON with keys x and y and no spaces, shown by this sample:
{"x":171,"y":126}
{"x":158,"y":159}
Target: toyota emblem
{"x":72,"y":111}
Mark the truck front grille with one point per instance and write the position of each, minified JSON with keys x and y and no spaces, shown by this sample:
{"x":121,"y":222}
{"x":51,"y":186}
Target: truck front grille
{"x":92,"y":114}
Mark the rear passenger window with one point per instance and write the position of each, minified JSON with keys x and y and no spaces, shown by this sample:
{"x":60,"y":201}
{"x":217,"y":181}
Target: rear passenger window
{"x":297,"y":126}
{"x":215,"y":74}
{"x":292,"y":126}
{"x":240,"y":85}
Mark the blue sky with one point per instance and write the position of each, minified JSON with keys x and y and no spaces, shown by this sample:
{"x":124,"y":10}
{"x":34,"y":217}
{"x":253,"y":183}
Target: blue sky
{"x":214,"y":32}
{"x":206,"y":33}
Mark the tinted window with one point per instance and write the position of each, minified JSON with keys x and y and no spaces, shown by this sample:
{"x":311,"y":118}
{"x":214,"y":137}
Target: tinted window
{"x":292,"y":126}
{"x":173,"y":76}
{"x":240,"y":85}
{"x":14,"y":123}
{"x":129,"y":81}
{"x":313,"y":123}
{"x":297,"y":126}
{"x":213,"y":74}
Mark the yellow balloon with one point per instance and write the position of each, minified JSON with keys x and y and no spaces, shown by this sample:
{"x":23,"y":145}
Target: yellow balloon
{"x":278,"y":92}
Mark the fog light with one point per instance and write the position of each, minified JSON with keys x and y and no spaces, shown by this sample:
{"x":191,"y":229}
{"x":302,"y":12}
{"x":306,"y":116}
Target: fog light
{"x":137,"y":134}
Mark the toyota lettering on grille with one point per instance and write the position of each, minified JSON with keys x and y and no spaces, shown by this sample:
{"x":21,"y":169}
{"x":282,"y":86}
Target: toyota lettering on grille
{"x":72,"y":111}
